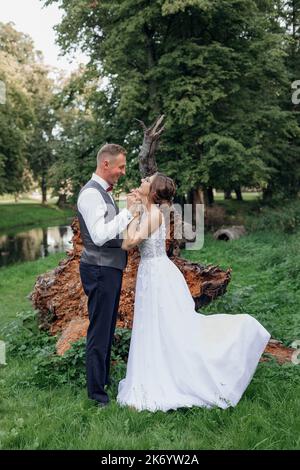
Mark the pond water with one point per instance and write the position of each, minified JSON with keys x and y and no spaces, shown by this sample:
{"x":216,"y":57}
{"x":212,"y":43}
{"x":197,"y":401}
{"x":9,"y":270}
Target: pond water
{"x":34,"y":243}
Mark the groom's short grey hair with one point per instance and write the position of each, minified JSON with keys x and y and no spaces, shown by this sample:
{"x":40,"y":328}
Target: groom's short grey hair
{"x":109,"y":151}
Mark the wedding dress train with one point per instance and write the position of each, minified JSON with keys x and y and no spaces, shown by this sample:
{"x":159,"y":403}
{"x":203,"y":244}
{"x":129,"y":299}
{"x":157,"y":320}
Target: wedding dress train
{"x":178,"y":357}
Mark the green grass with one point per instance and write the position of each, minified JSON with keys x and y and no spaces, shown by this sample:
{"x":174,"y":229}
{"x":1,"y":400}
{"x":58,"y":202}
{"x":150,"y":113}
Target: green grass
{"x":265,"y":279}
{"x":17,"y":281}
{"x":26,"y":198}
{"x":265,"y":283}
{"x":247,"y":196}
{"x":19,"y":215}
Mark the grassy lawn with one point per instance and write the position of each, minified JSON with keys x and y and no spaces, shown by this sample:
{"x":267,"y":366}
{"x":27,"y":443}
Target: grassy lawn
{"x":247,"y":196}
{"x":16,"y":215}
{"x":26,"y":198}
{"x":265,"y":283}
{"x":17,"y":281}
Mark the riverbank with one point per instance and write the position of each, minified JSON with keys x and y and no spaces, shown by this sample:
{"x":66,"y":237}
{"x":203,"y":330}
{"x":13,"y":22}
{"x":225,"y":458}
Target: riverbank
{"x":13,"y":216}
{"x":29,"y":212}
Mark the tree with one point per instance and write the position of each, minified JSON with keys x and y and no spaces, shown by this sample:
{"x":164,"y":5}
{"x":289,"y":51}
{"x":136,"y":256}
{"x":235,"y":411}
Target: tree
{"x":284,"y":157}
{"x":289,"y":15}
{"x":40,"y":151}
{"x":214,"y":68}
{"x":27,"y":118}
{"x":16,"y":113}
{"x":78,"y":135}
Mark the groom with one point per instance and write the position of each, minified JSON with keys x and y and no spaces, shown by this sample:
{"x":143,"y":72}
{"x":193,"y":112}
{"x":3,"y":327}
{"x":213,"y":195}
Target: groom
{"x":102,"y":262}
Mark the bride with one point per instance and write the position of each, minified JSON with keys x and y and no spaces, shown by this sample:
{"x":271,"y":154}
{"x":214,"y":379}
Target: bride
{"x":178,"y":357}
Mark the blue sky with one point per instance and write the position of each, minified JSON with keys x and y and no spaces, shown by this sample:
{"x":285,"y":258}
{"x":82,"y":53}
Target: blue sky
{"x":30,"y":17}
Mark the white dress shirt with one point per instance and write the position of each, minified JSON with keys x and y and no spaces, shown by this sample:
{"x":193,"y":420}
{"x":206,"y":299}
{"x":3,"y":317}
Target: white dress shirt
{"x":92,"y":207}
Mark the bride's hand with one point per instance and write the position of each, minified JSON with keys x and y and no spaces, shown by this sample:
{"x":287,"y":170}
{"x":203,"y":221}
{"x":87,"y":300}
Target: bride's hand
{"x":135,"y":191}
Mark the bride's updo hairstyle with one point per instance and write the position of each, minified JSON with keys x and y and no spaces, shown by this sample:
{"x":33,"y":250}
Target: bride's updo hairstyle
{"x":162,"y":189}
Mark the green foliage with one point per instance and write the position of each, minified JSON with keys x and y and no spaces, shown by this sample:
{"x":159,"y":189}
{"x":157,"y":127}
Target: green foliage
{"x":77,"y":137}
{"x":217,"y":69}
{"x":16,"y":113}
{"x":121,"y":342}
{"x":175,"y":6}
{"x":41,"y":151}
{"x":53,"y":370}
{"x":26,"y":117}
{"x":284,"y":216}
{"x":220,"y":71}
{"x":289,"y":13}
{"x":24,"y":339}
{"x":226,"y":163}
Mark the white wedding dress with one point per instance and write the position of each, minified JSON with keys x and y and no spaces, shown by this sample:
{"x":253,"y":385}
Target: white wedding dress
{"x":178,"y":357}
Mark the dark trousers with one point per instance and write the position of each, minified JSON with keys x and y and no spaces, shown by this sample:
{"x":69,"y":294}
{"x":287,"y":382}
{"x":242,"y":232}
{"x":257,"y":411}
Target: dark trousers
{"x":102,"y":285}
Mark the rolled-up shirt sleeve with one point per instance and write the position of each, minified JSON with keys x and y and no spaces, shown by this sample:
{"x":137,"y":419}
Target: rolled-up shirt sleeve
{"x":92,"y":207}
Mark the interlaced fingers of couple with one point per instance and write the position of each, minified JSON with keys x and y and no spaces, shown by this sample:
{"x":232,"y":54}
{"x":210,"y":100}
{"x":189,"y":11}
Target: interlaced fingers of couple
{"x":136,"y":202}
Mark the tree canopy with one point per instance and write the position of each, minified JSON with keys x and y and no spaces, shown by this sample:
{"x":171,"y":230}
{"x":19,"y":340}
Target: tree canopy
{"x":26,"y":116}
{"x":220,"y":70}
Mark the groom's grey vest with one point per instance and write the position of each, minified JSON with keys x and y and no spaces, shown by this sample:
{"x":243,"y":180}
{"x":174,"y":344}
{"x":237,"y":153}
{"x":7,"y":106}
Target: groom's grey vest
{"x":110,"y":254}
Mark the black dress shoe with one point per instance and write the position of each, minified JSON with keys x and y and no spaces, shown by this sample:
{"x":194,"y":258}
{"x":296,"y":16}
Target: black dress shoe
{"x":102,"y":404}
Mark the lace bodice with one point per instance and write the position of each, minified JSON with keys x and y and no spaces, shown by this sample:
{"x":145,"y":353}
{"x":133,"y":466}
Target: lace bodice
{"x":155,"y":245}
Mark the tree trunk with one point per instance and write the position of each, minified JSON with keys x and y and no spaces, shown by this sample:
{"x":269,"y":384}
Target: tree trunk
{"x":267,"y":193}
{"x":197,"y":198}
{"x":210,"y":195}
{"x":62,"y":201}
{"x":227,"y":194}
{"x":44,"y":189}
{"x":151,"y":58}
{"x":238,"y":193}
{"x":147,"y":162}
{"x":181,"y":200}
{"x":45,"y":242}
